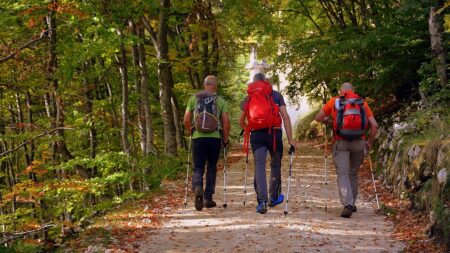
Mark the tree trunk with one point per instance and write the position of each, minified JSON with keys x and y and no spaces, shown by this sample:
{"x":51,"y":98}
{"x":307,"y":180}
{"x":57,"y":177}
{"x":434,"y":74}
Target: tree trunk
{"x":88,"y":110}
{"x":205,"y":54}
{"x":178,"y":127}
{"x":166,"y":80}
{"x":31,"y":122}
{"x":58,"y":112}
{"x":193,"y":75}
{"x":437,"y":45}
{"x":123,"y":69}
{"x":150,"y":147}
{"x":21,"y":128}
{"x":363,"y":9}
{"x":142,"y":129}
{"x":351,"y":12}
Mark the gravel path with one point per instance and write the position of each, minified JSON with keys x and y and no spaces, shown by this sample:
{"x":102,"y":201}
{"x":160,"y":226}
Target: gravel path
{"x":307,"y":227}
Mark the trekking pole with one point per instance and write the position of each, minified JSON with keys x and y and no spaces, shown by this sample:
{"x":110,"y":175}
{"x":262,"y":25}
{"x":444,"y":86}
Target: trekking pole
{"x":245,"y":177}
{"x":245,"y":171}
{"x":326,"y":169}
{"x":291,"y":152}
{"x":225,"y":177}
{"x":374,"y":185}
{"x":187,"y":171}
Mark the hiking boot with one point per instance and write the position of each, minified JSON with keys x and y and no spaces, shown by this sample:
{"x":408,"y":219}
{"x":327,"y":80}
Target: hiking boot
{"x":209,"y":203}
{"x":274,"y":202}
{"x":261,"y":207}
{"x":347,"y":212}
{"x":354,"y":209}
{"x":198,"y":190}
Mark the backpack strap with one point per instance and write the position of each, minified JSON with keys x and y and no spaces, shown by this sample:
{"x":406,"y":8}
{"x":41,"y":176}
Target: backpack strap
{"x":340,"y":114}
{"x":219,"y":111}
{"x":363,"y":116}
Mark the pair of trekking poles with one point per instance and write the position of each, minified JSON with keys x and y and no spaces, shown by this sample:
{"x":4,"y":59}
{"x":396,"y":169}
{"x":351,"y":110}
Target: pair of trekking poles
{"x":224,"y":174}
{"x":291,"y":153}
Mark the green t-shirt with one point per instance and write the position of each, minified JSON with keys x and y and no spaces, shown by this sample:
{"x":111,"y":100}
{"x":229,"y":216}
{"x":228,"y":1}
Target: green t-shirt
{"x":222,"y":106}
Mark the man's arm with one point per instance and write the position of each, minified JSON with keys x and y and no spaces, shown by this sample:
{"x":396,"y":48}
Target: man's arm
{"x":287,"y":124}
{"x":187,"y":122}
{"x":373,"y":132}
{"x":242,"y":118}
{"x":322,"y":116}
{"x":225,"y":126}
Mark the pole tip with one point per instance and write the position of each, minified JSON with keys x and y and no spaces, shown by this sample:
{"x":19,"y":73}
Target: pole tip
{"x":285,"y":213}
{"x":225,"y":205}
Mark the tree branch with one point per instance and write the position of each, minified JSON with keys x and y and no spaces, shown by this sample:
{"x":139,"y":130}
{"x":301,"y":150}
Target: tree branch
{"x":150,"y":30}
{"x":30,"y":232}
{"x":33,"y":139}
{"x":308,"y":15}
{"x":28,"y":44}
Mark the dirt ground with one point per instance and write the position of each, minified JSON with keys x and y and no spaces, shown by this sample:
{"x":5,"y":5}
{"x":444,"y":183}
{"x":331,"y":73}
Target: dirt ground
{"x":307,"y":227}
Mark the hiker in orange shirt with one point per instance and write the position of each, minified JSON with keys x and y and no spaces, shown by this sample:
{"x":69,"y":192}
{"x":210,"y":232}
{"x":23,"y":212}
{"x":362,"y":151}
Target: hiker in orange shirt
{"x":351,"y":117}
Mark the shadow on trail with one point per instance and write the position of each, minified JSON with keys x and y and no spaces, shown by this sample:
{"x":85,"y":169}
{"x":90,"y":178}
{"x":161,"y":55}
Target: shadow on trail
{"x":307,"y":227}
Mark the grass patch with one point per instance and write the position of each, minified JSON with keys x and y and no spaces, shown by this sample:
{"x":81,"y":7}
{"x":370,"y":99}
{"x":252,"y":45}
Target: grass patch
{"x":388,"y":211}
{"x":306,"y":127}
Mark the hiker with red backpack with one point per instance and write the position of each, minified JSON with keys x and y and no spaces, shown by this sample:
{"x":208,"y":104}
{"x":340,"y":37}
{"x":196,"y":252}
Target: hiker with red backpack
{"x":207,"y":120}
{"x":263,"y":112}
{"x":352,"y":117}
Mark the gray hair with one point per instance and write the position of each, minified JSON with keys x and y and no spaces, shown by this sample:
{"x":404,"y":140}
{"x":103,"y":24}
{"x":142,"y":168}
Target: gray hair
{"x":259,"y":77}
{"x":210,"y":80}
{"x":346,"y":87}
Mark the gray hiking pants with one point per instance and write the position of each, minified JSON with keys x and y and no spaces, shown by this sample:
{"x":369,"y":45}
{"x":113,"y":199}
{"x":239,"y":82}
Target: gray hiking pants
{"x":348,"y":156}
{"x":262,"y":143}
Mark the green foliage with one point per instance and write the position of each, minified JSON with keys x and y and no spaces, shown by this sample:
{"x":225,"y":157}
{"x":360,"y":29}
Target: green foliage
{"x":429,"y":84}
{"x":307,"y":128}
{"x":382,"y":60}
{"x":69,"y":178}
{"x":22,"y":247}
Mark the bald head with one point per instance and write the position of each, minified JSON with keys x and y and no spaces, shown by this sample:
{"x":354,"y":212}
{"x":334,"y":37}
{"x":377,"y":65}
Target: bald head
{"x":210,"y":80}
{"x":210,"y":83}
{"x":346,"y":87}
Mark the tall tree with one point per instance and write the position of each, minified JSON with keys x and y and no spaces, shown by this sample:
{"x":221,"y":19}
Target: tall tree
{"x":165,"y":77}
{"x":436,"y":27}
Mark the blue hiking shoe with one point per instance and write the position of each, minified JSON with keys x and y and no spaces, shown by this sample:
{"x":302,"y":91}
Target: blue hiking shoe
{"x":261,"y":207}
{"x":279,"y":200}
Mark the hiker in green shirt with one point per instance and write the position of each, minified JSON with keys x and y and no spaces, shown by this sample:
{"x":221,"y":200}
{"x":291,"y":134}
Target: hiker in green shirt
{"x":207,"y":119}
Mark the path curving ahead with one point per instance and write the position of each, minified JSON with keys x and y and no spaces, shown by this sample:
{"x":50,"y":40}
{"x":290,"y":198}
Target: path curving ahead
{"x":307,"y":227}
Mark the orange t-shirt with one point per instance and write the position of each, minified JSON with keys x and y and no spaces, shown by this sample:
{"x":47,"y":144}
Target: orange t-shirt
{"x":330,"y":110}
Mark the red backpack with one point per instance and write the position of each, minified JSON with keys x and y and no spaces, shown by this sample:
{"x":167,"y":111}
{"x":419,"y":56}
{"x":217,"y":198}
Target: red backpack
{"x":351,"y":121}
{"x":262,"y":112}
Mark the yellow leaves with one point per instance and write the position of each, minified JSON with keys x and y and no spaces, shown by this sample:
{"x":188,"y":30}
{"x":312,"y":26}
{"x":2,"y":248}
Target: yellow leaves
{"x":35,"y":168}
{"x":31,"y":225}
{"x":24,"y":192}
{"x":46,"y":155}
{"x":80,"y":186}
{"x":31,"y":22}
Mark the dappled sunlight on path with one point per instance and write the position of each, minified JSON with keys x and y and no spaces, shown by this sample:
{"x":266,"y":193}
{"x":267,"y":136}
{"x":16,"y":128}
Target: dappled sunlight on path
{"x":307,"y":227}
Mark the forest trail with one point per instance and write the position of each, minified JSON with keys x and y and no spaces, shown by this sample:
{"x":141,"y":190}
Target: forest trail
{"x":307,"y":227}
